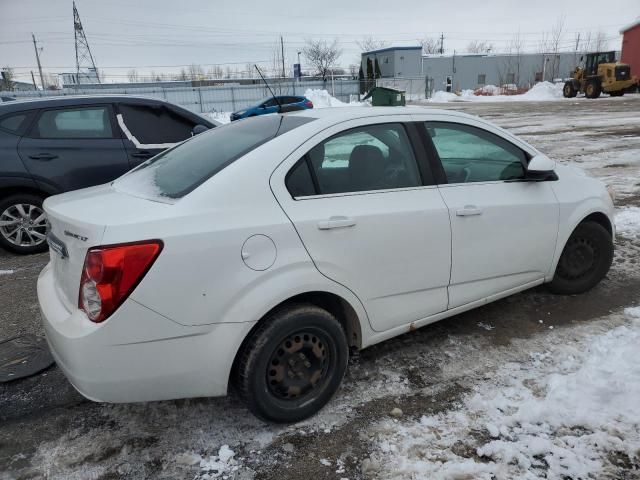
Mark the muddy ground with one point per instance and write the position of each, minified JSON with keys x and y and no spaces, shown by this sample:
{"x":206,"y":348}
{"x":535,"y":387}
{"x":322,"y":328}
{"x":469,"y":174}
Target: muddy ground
{"x":47,"y":430}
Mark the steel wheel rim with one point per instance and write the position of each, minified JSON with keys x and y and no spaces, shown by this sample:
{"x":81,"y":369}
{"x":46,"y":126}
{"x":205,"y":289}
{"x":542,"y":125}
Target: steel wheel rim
{"x":298,"y":366}
{"x":24,"y":225}
{"x":579,"y":259}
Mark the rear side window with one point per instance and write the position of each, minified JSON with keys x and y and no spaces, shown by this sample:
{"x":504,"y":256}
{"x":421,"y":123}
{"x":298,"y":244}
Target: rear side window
{"x":14,"y":123}
{"x":373,"y":157}
{"x":155,"y":125}
{"x":90,"y":122}
{"x":179,"y":170}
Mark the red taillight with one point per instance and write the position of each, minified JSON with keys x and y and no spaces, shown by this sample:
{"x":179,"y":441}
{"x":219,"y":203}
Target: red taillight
{"x":110,"y":274}
{"x":309,"y":104}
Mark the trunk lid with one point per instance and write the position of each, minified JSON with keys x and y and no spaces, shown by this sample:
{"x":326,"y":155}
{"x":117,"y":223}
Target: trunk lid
{"x":78,"y":221}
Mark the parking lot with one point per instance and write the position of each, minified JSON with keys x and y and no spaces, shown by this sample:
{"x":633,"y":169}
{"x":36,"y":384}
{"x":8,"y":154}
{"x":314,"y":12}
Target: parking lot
{"x":47,"y":430}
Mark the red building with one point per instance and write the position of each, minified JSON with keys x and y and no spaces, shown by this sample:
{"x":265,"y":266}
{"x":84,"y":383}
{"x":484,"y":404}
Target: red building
{"x":631,"y":47}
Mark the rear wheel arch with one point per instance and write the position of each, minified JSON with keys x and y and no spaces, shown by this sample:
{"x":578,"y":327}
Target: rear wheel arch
{"x":8,"y":191}
{"x":337,"y":306}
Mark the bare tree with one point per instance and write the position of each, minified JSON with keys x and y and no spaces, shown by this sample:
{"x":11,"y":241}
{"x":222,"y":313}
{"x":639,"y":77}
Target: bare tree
{"x":249,"y":71}
{"x":321,"y":55}
{"x":7,"y":80}
{"x":510,"y":65}
{"x":430,"y":45}
{"x":479,"y":46}
{"x":196,"y":72}
{"x":555,"y":42}
{"x":369,"y":43}
{"x":600,"y":42}
{"x":353,"y":70}
{"x":133,"y":76}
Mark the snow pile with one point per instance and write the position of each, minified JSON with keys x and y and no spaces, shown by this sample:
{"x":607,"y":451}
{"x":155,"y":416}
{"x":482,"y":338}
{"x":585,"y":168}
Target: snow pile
{"x":6,"y":272}
{"x":323,"y":99}
{"x":218,"y":465}
{"x":540,"y":92}
{"x":563,"y":414}
{"x":628,"y":221}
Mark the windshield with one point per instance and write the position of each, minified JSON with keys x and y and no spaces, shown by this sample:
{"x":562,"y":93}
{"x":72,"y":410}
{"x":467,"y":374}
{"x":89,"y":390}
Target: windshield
{"x":178,"y":171}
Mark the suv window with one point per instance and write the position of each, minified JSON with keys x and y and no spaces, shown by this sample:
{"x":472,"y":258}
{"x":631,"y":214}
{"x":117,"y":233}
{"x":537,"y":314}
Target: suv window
{"x":79,"y":122}
{"x":155,"y":125}
{"x":470,"y":154}
{"x":14,"y":123}
{"x":374,"y":157}
{"x":181,"y":169}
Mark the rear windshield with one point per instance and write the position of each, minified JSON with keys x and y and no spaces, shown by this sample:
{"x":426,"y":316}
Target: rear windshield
{"x":176,"y":172}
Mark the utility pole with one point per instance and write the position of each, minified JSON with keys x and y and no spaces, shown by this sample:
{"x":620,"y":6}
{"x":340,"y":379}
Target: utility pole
{"x":299,"y":67}
{"x":442,"y":44}
{"x":35,"y":46}
{"x":33,"y":79}
{"x":282,"y":53}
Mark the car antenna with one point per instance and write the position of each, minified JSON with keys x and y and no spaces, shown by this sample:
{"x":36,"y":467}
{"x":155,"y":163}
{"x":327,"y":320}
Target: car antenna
{"x":265,"y":82}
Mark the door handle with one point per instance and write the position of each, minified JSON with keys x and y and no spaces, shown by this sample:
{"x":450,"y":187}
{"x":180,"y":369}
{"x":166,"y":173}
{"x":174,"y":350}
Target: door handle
{"x":336,"y":222}
{"x":43,"y":156}
{"x":468,"y":211}
{"x":142,"y":154}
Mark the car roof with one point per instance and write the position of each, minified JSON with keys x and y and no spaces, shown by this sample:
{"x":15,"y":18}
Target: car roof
{"x":340,"y":114}
{"x":68,"y":100}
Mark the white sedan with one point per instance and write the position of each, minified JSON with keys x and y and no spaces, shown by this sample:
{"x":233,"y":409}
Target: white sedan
{"x":256,"y":255}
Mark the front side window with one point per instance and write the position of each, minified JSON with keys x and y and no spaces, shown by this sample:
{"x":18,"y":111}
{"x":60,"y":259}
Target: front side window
{"x":90,"y":122}
{"x":374,"y":157}
{"x":13,"y":123}
{"x":469,"y":154}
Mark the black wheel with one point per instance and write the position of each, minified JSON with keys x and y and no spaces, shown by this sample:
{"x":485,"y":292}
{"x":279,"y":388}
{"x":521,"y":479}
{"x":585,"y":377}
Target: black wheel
{"x":592,"y":90}
{"x":618,"y":93}
{"x":585,"y":260}
{"x":292,"y":364}
{"x":569,"y":91}
{"x":23,"y":224}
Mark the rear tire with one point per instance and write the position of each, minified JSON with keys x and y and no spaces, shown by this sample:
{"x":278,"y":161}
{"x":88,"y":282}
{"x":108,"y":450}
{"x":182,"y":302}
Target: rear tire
{"x":23,"y":226}
{"x":292,"y":365}
{"x":585,"y":260}
{"x":618,"y":93}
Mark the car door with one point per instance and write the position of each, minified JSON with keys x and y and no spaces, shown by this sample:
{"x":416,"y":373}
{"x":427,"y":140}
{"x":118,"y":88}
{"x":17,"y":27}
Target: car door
{"x":73,"y":147}
{"x":504,"y":228}
{"x":150,"y":129}
{"x":365,"y":206}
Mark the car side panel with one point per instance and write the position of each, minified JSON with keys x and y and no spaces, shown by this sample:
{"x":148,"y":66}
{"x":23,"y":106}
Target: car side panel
{"x":578,"y":196}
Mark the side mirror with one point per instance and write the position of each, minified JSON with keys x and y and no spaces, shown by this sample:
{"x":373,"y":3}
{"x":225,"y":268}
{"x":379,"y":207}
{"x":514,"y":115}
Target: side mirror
{"x":198,"y":129}
{"x":541,"y":169}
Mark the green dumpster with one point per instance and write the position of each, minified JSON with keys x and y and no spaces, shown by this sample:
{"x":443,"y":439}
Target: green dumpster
{"x":386,"y":97}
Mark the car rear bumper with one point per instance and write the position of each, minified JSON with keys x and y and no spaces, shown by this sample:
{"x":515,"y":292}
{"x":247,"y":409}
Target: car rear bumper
{"x":136,"y":354}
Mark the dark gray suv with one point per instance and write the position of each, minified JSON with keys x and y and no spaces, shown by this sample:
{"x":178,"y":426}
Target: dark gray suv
{"x":53,"y":145}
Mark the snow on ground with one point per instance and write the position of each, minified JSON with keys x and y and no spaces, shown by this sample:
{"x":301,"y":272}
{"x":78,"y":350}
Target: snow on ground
{"x":543,"y":91}
{"x":560,"y":414}
{"x":6,"y":272}
{"x":628,"y":221}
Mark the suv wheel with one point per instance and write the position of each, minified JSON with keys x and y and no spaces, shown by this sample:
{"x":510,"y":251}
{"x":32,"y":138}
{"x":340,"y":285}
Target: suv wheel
{"x":292,"y":364}
{"x":585,"y":260}
{"x":23,"y":224}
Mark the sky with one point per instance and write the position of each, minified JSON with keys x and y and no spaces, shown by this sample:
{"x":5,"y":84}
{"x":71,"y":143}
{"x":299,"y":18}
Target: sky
{"x":167,"y":35}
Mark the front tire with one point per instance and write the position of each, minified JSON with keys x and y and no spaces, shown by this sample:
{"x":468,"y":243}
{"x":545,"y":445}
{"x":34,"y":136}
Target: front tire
{"x":585,"y":260}
{"x":592,"y":89}
{"x":23,"y":224}
{"x":569,"y":90}
{"x":292,"y":364}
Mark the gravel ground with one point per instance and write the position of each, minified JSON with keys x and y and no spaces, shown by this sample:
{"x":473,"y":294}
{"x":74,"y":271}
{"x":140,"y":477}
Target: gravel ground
{"x":48,"y":430}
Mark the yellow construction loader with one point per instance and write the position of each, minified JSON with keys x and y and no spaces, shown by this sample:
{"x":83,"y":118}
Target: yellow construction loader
{"x":601,"y":73}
